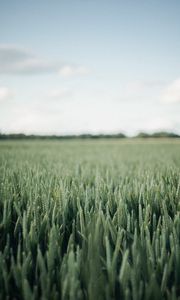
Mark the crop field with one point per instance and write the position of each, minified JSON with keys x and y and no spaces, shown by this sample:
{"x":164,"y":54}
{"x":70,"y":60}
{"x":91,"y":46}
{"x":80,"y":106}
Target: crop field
{"x":90,"y":219}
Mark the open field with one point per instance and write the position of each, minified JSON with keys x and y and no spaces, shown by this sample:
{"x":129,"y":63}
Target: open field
{"x":90,"y":219}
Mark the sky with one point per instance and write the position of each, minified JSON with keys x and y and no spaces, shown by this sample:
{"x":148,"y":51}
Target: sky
{"x":89,"y":66}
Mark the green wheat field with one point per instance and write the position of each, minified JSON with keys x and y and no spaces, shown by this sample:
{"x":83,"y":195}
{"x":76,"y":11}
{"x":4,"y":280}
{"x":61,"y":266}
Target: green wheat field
{"x":90,"y":219}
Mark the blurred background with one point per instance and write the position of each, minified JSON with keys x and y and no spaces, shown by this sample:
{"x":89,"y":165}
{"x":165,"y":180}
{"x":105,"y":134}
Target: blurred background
{"x":81,"y":66}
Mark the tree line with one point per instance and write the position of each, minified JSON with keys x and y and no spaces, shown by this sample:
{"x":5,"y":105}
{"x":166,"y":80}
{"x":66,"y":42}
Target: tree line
{"x":144,"y":135}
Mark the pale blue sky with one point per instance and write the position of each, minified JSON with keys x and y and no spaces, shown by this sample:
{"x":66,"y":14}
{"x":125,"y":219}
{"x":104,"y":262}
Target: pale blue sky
{"x":89,"y":66}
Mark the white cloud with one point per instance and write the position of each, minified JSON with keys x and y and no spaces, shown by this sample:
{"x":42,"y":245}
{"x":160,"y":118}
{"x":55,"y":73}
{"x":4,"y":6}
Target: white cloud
{"x":140,"y":88}
{"x":77,"y":116}
{"x":133,"y":88}
{"x":71,"y":71}
{"x":16,"y":60}
{"x":158,"y":124}
{"x":59,"y":93}
{"x":5,"y":93}
{"x":171,"y":94}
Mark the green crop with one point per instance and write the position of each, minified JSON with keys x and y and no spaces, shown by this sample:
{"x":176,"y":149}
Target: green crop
{"x":90,"y":220}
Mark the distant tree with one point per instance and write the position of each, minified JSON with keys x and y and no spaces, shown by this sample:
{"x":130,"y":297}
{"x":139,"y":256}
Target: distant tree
{"x":142,"y":135}
{"x":160,"y":134}
{"x":21,"y":136}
